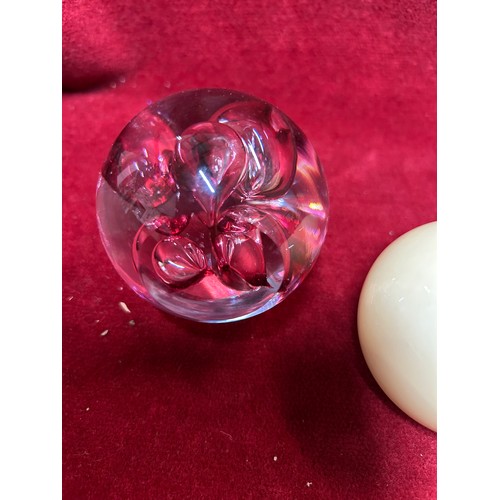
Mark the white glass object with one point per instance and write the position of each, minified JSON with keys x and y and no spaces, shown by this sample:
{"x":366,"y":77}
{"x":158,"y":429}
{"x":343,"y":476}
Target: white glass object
{"x":397,"y":322}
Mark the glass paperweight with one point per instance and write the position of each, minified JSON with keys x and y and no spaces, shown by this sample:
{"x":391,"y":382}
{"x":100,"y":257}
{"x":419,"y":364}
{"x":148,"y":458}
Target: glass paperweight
{"x":212,"y":205}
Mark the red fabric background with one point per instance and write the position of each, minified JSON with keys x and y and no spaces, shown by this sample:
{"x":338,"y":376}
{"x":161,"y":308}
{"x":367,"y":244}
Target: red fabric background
{"x":174,"y":409}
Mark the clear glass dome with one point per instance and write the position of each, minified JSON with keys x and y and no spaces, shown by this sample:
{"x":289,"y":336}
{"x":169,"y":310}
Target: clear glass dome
{"x":212,"y":205}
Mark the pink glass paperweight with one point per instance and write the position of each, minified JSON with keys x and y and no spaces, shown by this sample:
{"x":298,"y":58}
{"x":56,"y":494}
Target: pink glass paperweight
{"x":212,"y":205}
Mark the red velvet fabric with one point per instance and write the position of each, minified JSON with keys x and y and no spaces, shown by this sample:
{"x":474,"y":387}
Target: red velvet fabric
{"x":281,"y":405}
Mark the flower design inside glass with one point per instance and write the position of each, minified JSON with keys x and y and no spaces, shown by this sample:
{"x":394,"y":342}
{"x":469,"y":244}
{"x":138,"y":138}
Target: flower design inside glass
{"x":212,"y":205}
